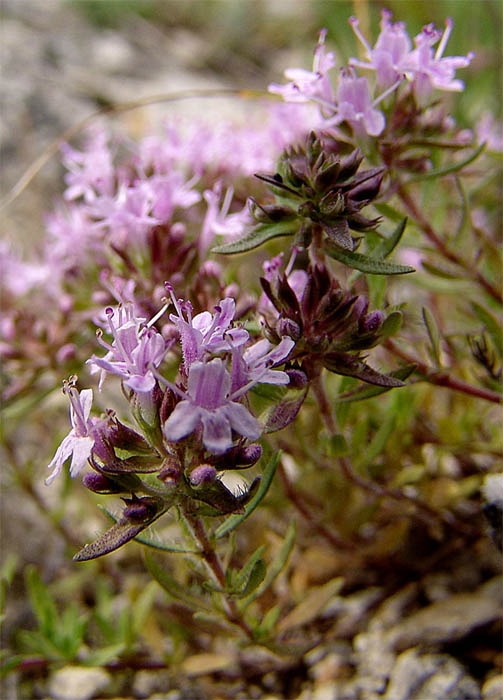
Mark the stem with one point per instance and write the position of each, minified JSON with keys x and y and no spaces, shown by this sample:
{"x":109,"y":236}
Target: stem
{"x":212,"y":561}
{"x":439,"y":244}
{"x":429,"y":515}
{"x":442,"y":378}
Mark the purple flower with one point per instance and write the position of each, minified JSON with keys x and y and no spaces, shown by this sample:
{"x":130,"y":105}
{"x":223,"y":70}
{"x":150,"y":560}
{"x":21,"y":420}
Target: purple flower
{"x":209,"y":404}
{"x":393,"y":57}
{"x":430,"y":69}
{"x":134,"y":349}
{"x":390,"y":56}
{"x":90,"y":171}
{"x":305,"y":85}
{"x":354,"y":105}
{"x":206,"y":332}
{"x":79,"y":441}
{"x":218,"y":221}
{"x":255,"y":363}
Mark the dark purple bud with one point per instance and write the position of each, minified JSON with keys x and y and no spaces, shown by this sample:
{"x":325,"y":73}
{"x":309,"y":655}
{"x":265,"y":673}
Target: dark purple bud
{"x":249,"y":455}
{"x":360,"y":306}
{"x":371,"y":322}
{"x":298,"y":378}
{"x":139,"y":509}
{"x":288,"y":327}
{"x":100,"y":484}
{"x":203,"y":474}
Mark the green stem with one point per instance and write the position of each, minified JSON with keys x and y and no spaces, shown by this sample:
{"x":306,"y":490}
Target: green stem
{"x":214,"y":565}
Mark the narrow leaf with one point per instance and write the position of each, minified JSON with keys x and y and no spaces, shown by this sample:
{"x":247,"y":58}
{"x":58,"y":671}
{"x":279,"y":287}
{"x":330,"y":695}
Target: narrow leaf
{"x":260,"y":234}
{"x":439,"y":271}
{"x":284,"y":413}
{"x":448,"y":170}
{"x":278,"y":563}
{"x":42,"y":602}
{"x":492,"y":326}
{"x":368,"y":391}
{"x":269,"y":622}
{"x":234,"y":520}
{"x":433,"y":335}
{"x":154,"y":543}
{"x":171,"y":585}
{"x":257,"y":575}
{"x":123,"y":531}
{"x":365,"y":264}
{"x":391,"y":325}
{"x":244,"y":574}
{"x":387,"y":245}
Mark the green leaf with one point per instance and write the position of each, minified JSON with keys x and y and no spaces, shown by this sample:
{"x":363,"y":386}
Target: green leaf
{"x":171,"y":585}
{"x":234,"y":520}
{"x":260,"y":234}
{"x":369,"y":391}
{"x":42,"y":603}
{"x":257,"y":575}
{"x":244,"y":574}
{"x":391,"y":325}
{"x":387,"y":245}
{"x":143,"y":605}
{"x":448,"y":170}
{"x":388,"y":212}
{"x":491,"y":324}
{"x":433,"y":335}
{"x":268,"y":622}
{"x":105,"y":655}
{"x":277,"y":565}
{"x":439,"y":272}
{"x":365,"y":264}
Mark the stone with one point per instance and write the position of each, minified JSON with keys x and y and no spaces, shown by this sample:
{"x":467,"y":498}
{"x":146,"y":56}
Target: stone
{"x":77,"y":683}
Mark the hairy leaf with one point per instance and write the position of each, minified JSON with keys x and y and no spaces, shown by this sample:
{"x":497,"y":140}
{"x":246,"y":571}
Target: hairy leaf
{"x":366,"y":264}
{"x":369,"y":391}
{"x":260,"y":234}
{"x":123,"y":531}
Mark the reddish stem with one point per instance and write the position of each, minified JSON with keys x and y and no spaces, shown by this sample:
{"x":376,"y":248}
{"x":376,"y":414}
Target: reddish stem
{"x":444,"y":379}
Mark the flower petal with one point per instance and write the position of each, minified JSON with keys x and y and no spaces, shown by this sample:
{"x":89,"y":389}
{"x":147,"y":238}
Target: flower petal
{"x":82,"y":447}
{"x":242,"y":420}
{"x":182,"y":421}
{"x":217,"y":436}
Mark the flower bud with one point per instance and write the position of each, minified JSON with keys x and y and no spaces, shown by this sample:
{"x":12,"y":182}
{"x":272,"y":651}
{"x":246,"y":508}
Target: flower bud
{"x":171,"y":471}
{"x":139,"y":509}
{"x":288,"y":327}
{"x":298,"y":378}
{"x":203,"y":474}
{"x":98,"y":483}
{"x":371,"y":322}
{"x":249,"y":455}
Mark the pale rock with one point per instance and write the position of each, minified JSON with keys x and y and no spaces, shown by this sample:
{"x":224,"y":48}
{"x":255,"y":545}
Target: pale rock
{"x":77,"y":683}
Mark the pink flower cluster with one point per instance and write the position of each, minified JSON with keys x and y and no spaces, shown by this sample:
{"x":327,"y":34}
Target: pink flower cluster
{"x":393,"y":58}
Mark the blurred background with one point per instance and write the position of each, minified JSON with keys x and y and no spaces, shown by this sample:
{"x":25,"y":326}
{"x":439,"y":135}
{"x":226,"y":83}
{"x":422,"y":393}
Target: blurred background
{"x":64,"y":59}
